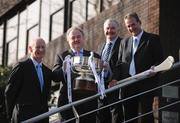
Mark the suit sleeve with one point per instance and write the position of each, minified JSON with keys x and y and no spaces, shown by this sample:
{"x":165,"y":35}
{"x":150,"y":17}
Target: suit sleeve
{"x":13,"y":88}
{"x":117,"y":67}
{"x":58,"y":74}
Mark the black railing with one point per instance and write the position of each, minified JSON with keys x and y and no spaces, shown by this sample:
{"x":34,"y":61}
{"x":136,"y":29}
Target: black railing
{"x":122,"y":83}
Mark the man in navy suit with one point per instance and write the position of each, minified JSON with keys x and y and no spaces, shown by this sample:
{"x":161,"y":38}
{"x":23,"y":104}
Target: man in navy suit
{"x":137,"y":53}
{"x":114,"y":113}
{"x":76,"y":41}
{"x":27,"y":94}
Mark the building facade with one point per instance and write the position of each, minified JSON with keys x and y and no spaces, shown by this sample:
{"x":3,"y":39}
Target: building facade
{"x":48,"y":19}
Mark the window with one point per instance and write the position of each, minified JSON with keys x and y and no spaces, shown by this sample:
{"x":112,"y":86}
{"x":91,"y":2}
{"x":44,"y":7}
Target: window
{"x":1,"y":43}
{"x":12,"y":26}
{"x":78,"y":12}
{"x":57,"y":22}
{"x":12,"y":48}
{"x":11,"y":36}
{"x":32,"y":33}
{"x":56,"y":18}
{"x":22,"y":34}
{"x":33,"y":13}
{"x":45,"y":20}
{"x":55,"y":5}
{"x":92,"y":8}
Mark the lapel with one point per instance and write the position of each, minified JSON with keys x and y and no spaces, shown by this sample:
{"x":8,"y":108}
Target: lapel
{"x":44,"y":77}
{"x":141,"y":42}
{"x":116,"y":47}
{"x":34,"y":73}
{"x":102,"y":48}
{"x":70,"y":52}
{"x":86,"y":53}
{"x":130,"y":45}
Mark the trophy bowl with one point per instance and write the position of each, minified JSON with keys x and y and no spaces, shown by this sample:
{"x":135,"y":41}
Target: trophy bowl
{"x":80,"y":64}
{"x":86,"y":81}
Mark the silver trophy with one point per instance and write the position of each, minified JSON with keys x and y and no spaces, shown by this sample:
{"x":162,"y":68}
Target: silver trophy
{"x":86,"y":81}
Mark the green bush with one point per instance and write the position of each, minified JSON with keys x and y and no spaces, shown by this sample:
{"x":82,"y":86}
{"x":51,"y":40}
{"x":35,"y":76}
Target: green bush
{"x":4,"y":74}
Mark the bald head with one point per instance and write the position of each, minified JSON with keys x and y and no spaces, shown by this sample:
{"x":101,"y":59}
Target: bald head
{"x":37,"y":48}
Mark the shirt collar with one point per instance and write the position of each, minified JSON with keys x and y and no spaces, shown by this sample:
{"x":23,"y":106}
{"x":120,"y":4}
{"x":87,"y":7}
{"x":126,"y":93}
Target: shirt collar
{"x":35,"y":62}
{"x":74,"y":51}
{"x":138,"y":37}
{"x":111,"y":41}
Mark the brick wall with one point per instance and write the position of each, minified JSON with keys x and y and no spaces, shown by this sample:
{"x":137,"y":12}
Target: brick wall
{"x":148,"y":11}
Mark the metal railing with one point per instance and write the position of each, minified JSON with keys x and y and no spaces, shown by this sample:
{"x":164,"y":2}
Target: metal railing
{"x":122,"y":83}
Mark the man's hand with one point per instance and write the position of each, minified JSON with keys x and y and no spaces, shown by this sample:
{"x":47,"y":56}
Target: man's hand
{"x":106,"y":66}
{"x":64,"y":66}
{"x":112,"y":83}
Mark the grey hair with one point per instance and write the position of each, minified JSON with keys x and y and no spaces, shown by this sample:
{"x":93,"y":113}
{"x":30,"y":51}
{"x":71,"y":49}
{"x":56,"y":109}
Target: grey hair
{"x":72,"y":29}
{"x":110,"y":20}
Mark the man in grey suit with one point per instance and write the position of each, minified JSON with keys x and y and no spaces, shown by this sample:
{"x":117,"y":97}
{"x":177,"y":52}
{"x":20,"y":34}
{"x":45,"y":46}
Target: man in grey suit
{"x":137,"y":53}
{"x":111,"y":114}
{"x":28,"y":88}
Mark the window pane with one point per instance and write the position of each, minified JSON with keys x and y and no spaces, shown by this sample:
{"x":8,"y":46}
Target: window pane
{"x":92,"y":8}
{"x":1,"y":54}
{"x":1,"y":43}
{"x":22,"y":35}
{"x":78,"y":12}
{"x":12,"y":28}
{"x":12,"y":48}
{"x":33,"y":33}
{"x":1,"y":35}
{"x":57,"y":24}
{"x":33,"y":13}
{"x":45,"y":20}
{"x":55,"y":5}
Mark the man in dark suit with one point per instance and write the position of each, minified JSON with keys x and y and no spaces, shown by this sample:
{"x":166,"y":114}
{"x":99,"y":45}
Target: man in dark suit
{"x":27,"y":93}
{"x":138,"y":53}
{"x":76,"y":41}
{"x":111,"y":114}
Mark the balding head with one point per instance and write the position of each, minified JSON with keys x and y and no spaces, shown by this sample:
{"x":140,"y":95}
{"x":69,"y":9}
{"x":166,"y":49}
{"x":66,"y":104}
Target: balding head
{"x":37,"y":48}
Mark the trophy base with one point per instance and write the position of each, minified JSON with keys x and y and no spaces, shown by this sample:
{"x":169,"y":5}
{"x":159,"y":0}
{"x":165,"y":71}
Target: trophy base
{"x":83,"y":85}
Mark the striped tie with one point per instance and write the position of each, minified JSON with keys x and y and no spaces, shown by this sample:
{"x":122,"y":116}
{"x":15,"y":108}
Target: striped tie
{"x":107,"y":52}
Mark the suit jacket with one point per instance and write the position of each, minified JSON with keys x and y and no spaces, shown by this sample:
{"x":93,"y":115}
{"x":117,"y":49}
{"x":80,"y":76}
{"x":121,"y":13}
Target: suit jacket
{"x":24,"y":98}
{"x":58,"y":72}
{"x":149,"y":53}
{"x":113,"y":55}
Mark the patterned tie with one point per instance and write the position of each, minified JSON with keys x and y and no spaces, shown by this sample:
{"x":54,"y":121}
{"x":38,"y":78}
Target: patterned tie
{"x":132,"y":69}
{"x":40,"y":75}
{"x":107,"y":52}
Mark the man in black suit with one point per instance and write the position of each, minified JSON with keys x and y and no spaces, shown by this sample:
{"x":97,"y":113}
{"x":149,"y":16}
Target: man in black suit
{"x":27,"y":94}
{"x":76,"y":41}
{"x":138,"y":53}
{"x":111,"y":114}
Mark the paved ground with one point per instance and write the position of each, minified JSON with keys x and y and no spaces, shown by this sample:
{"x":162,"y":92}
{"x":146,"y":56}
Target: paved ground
{"x":54,"y":118}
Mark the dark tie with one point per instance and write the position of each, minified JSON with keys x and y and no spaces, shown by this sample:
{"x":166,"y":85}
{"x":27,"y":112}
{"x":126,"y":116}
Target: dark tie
{"x":107,"y":52}
{"x":132,"y":68}
{"x":40,"y":75}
